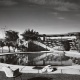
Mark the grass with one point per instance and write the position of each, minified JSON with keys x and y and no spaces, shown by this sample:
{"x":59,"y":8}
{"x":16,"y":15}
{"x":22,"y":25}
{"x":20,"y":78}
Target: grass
{"x":29,"y":76}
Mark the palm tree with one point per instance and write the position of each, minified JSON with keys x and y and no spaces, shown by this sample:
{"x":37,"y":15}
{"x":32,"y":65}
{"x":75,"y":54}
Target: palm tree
{"x":9,"y":45}
{"x":11,"y":39}
{"x":30,"y":35}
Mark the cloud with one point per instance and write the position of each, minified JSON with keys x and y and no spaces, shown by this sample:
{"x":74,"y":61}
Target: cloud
{"x":7,"y":2}
{"x":78,"y":15}
{"x":60,"y":5}
{"x":66,"y":6}
{"x":38,"y":1}
{"x":61,"y":18}
{"x":54,"y":13}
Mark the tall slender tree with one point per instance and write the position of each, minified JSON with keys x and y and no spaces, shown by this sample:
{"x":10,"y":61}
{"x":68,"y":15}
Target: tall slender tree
{"x":11,"y":39}
{"x":2,"y":44}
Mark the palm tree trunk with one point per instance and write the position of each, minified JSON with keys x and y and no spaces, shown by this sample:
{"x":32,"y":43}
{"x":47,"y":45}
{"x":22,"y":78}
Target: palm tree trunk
{"x":14,"y":49}
{"x":2,"y":49}
{"x":27,"y":44}
{"x":9,"y":49}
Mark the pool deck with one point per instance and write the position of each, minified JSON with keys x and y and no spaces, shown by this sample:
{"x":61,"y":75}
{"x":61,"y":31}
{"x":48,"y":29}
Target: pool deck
{"x":60,"y":69}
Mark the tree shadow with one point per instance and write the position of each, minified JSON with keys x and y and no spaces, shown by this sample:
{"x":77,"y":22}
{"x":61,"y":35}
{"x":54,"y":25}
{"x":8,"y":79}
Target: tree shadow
{"x":40,"y":78}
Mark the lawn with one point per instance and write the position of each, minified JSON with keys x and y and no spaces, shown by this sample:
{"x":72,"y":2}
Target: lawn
{"x":43,"y":77}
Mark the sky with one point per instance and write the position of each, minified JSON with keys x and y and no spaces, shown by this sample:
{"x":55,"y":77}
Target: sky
{"x":43,"y":16}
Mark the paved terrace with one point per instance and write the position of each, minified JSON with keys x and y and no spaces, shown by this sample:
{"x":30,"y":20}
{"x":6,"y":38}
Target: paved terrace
{"x":29,"y":69}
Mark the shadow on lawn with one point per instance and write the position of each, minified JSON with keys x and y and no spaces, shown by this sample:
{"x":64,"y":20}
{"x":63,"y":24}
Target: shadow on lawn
{"x":40,"y":78}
